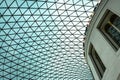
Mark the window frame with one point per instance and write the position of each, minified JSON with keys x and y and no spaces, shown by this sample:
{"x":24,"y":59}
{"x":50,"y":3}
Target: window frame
{"x":97,"y":62}
{"x":106,"y":20}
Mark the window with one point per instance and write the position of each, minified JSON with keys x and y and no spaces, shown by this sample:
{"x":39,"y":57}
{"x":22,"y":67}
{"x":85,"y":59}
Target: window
{"x":111,"y":28}
{"x":97,"y":62}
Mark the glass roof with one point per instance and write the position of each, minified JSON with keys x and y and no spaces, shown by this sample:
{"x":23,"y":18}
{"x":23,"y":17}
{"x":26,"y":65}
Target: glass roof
{"x":43,"y":39}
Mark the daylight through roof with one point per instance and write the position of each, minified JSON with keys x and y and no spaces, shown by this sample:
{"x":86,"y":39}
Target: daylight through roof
{"x":43,"y":39}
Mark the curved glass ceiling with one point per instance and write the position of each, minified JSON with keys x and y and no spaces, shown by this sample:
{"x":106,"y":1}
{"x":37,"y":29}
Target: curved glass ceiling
{"x":43,"y":39}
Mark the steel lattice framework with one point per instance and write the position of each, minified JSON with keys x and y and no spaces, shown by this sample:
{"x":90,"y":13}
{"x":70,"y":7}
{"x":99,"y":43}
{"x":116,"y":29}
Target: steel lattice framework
{"x":43,"y":39}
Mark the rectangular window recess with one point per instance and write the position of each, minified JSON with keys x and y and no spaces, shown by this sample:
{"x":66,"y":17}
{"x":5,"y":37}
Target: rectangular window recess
{"x":97,"y":62}
{"x":110,"y":27}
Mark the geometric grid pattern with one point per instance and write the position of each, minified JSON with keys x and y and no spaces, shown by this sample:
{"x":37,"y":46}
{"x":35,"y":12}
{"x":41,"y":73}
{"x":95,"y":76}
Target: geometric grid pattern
{"x":43,"y":39}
